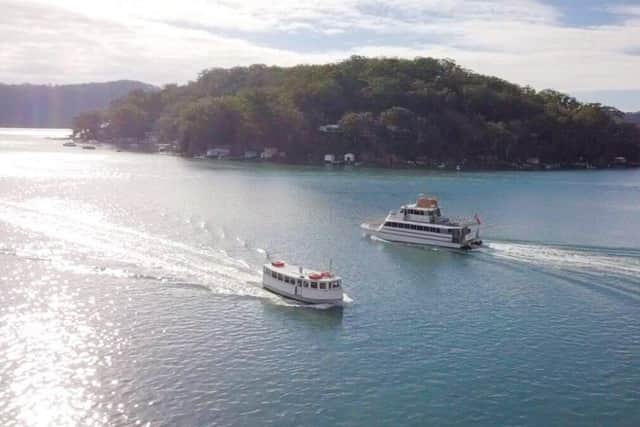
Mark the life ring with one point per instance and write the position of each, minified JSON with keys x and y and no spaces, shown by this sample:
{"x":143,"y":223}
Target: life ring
{"x":278,"y":263}
{"x":315,"y":276}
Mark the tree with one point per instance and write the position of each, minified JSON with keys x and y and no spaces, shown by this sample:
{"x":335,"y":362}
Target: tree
{"x":87,"y":125}
{"x":385,"y":107}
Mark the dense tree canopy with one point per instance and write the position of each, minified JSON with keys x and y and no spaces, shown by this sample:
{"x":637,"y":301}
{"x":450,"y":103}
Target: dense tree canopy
{"x":385,"y":107}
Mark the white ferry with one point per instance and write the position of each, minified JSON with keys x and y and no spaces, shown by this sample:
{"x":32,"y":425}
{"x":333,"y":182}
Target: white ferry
{"x":297,"y":283}
{"x":421,"y":223}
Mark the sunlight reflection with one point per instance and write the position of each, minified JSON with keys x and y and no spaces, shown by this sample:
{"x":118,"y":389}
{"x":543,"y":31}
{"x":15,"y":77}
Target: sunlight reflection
{"x":50,"y":377}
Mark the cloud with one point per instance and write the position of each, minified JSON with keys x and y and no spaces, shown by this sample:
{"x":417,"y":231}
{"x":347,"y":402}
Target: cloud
{"x":625,"y":9}
{"x":167,"y":41}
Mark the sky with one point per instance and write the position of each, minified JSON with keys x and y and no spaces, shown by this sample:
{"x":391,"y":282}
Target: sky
{"x":588,"y":48}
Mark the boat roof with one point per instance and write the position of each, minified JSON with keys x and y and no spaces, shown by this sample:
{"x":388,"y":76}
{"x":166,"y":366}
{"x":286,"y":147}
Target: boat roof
{"x":293,"y":270}
{"x":415,"y":206}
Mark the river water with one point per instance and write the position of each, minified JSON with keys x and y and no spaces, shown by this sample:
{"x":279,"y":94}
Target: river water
{"x":130,"y":295}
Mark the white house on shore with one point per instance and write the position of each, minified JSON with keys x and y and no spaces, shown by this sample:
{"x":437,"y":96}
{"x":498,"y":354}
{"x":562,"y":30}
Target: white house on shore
{"x":349,"y":158}
{"x":270,"y":153}
{"x":329,"y":158}
{"x":333,"y":128}
{"x":250,"y":154}
{"x":219,"y":152}
{"x":534,"y":161}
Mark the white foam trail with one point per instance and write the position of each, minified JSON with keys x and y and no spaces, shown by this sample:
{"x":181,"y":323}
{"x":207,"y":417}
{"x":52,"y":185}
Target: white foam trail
{"x":76,"y":231}
{"x":578,"y":260}
{"x":82,"y":241}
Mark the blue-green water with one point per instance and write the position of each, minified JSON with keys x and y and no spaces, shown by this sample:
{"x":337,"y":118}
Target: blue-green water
{"x":129,"y":292}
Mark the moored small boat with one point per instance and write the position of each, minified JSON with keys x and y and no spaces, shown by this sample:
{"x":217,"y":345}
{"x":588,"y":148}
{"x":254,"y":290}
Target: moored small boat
{"x":88,"y":147}
{"x":300,"y":284}
{"x":69,"y":144}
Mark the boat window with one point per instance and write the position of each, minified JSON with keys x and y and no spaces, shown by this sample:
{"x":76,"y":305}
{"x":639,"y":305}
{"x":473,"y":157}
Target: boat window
{"x":299,"y":282}
{"x":286,"y":279}
{"x":323,"y":286}
{"x":274,"y":275}
{"x":306,"y":284}
{"x":314,"y":285}
{"x":279,"y":276}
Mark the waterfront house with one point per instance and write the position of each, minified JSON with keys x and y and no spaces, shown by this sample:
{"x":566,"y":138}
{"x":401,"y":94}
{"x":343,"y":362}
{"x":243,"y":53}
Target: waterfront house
{"x":329,"y":159}
{"x":533,"y":161}
{"x":269,"y":153}
{"x":219,"y":152}
{"x":332,"y":128}
{"x":349,"y":158}
{"x":250,"y":154}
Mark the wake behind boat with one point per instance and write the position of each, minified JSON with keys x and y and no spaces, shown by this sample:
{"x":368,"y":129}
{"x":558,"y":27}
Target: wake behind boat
{"x":421,"y":223}
{"x":300,"y":284}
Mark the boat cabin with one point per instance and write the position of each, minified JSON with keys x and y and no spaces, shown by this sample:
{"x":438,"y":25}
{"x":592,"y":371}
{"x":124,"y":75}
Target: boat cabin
{"x":425,"y":209}
{"x":297,"y":276}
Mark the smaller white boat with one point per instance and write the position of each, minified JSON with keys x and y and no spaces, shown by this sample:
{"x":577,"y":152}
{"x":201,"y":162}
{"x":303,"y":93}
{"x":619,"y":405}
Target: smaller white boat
{"x":300,"y":284}
{"x":69,"y":144}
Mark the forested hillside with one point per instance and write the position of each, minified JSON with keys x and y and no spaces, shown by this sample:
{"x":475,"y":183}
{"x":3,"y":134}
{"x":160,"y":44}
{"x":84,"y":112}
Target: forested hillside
{"x":55,"y":106}
{"x":387,"y":110}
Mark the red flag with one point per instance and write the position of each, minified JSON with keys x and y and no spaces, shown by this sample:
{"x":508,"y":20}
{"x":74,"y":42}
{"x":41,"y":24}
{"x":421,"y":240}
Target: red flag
{"x":477,"y":218}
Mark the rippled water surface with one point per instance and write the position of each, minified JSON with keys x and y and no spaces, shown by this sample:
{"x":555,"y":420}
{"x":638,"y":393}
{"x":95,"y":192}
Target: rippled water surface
{"x":130,"y":295}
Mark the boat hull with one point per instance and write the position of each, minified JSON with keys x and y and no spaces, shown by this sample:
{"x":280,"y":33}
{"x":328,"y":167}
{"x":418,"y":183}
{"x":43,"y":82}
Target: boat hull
{"x":302,"y":299}
{"x":397,"y":236}
{"x":303,"y":295}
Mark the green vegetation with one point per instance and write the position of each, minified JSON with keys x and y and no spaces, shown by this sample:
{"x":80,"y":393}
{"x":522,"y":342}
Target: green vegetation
{"x":388,"y":111}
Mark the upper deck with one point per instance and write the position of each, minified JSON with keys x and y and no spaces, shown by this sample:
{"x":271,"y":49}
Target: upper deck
{"x":299,"y":272}
{"x":426,"y":210}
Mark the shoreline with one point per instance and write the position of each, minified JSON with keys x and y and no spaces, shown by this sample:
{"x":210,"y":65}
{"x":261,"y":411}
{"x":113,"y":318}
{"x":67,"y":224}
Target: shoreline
{"x":406,"y":165}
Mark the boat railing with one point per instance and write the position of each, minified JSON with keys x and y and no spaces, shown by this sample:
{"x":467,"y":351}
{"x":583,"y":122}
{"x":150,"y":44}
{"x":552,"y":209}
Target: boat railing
{"x":464,"y":221}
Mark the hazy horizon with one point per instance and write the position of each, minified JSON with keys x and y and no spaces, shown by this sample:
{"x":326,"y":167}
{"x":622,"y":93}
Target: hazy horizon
{"x":588,"y":49}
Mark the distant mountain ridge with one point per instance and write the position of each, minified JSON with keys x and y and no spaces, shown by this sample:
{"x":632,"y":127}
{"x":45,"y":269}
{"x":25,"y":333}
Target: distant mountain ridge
{"x":632,"y":118}
{"x":29,"y":105}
